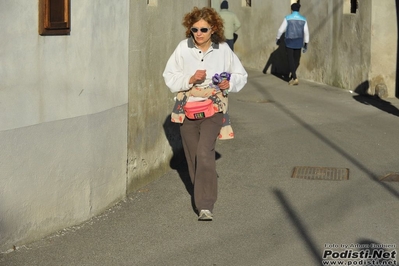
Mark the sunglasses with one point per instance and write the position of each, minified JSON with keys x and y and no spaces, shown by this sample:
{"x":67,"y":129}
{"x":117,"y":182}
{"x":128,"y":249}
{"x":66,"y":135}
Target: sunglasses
{"x":203,"y":30}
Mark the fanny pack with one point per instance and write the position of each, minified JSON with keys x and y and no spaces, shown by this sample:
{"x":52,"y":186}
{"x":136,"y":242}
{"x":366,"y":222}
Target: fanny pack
{"x":200,"y":109}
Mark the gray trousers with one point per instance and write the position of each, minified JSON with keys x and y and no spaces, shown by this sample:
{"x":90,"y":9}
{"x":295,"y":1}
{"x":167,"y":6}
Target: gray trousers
{"x":199,"y":141}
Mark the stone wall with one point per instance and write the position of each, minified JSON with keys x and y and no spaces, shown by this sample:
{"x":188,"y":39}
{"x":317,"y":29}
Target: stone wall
{"x":85,"y":117}
{"x":154,"y":142}
{"x":63,"y":119}
{"x":352,"y":51}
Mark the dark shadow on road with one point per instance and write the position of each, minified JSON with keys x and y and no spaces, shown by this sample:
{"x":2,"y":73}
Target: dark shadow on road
{"x":278,"y":62}
{"x":375,"y":252}
{"x":364,"y":98}
{"x":362,"y":88}
{"x":368,"y":172}
{"x":299,"y":226}
{"x":377,"y":102}
{"x":178,"y":161}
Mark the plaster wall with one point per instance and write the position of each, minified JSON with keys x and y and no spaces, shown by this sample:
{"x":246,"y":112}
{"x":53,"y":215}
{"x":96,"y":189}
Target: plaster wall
{"x":155,"y":31}
{"x":85,"y":118}
{"x":350,"y":51}
{"x":339,"y":53}
{"x":384,"y":43}
{"x":63,"y":119}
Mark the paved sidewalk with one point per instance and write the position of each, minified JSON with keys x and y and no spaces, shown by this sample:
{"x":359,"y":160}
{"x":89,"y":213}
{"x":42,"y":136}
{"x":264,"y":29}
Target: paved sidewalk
{"x":263,"y":216}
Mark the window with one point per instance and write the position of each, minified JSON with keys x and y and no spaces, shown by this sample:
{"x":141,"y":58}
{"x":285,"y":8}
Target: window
{"x":351,"y":6}
{"x":247,"y":3}
{"x":354,"y":6}
{"x":54,"y":17}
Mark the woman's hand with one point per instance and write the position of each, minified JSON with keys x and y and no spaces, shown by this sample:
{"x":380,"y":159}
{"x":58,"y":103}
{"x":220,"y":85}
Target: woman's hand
{"x":224,"y":84}
{"x":198,"y":77}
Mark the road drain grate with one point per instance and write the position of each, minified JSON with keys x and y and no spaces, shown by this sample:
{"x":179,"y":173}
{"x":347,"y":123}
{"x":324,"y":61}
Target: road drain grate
{"x":320,"y":173}
{"x":391,"y":177}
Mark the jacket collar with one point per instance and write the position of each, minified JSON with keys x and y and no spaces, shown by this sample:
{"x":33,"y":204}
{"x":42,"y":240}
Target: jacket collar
{"x":191,"y":44}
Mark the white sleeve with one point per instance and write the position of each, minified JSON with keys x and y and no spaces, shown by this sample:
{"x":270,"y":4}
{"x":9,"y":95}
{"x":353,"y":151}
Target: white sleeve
{"x":174,"y":75}
{"x":282,"y":29}
{"x":239,"y":75}
{"x":306,"y":33}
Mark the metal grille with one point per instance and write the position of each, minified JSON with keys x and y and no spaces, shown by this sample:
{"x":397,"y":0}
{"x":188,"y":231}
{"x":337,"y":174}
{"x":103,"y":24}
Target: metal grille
{"x":320,"y":173}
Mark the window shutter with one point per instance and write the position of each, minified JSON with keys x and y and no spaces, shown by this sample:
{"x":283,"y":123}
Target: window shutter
{"x":54,"y":17}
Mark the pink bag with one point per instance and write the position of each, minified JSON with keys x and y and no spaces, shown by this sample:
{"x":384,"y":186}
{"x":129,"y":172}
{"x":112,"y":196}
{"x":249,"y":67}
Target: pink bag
{"x":198,"y":110}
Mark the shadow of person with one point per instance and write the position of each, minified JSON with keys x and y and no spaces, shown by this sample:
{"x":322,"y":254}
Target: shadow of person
{"x":364,"y":98}
{"x":278,"y":62}
{"x":178,"y":161}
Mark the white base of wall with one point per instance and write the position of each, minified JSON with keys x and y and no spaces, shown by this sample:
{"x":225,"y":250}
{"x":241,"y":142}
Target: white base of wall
{"x":57,"y":174}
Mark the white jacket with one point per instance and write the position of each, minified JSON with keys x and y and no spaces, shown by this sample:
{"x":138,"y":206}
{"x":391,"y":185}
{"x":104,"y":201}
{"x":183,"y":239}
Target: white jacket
{"x":187,"y":58}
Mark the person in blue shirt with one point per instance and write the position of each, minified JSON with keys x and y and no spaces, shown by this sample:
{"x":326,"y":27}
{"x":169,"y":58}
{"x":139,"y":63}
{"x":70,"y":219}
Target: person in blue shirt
{"x":296,"y":31}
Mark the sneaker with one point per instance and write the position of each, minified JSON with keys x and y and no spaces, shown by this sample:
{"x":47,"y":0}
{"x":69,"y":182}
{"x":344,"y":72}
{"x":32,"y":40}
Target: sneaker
{"x":205,"y":215}
{"x":293,"y":82}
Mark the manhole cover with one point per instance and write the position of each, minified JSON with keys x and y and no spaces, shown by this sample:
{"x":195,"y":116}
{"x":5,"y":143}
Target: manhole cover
{"x":391,"y":177}
{"x":320,"y":173}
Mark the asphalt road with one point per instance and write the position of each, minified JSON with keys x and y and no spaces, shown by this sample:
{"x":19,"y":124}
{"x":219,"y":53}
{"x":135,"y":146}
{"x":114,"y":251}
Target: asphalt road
{"x":263,"y":215}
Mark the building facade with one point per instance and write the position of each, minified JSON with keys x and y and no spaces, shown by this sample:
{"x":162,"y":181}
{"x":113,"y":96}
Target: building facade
{"x":85,"y":116}
{"x":353,"y":44}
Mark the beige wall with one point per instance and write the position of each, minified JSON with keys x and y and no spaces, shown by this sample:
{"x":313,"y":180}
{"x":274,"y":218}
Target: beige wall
{"x":345,"y":50}
{"x":59,"y":174}
{"x":151,"y":135}
{"x":384,"y":43}
{"x":63,"y":119}
{"x":85,"y":117}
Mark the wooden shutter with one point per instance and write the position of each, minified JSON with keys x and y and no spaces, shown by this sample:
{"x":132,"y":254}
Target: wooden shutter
{"x":54,"y":17}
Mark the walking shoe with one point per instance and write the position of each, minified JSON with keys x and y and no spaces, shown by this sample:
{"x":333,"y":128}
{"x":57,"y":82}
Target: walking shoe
{"x":205,"y":215}
{"x":293,"y":82}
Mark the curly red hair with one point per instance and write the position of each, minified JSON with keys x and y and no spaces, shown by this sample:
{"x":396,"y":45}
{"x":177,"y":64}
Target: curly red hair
{"x":209,"y":15}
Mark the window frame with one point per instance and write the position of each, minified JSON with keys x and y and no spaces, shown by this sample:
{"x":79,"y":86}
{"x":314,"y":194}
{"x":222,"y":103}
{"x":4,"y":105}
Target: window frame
{"x":350,"y":7}
{"x":246,"y":3}
{"x":54,"y":17}
{"x":354,"y":6}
